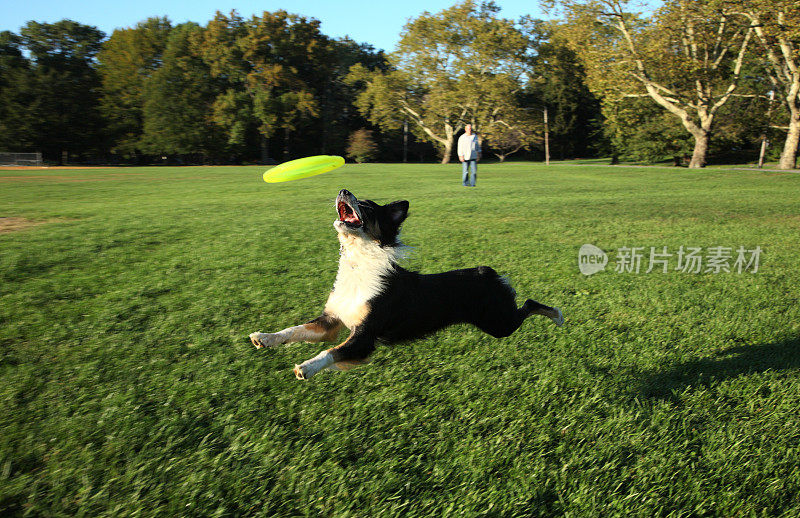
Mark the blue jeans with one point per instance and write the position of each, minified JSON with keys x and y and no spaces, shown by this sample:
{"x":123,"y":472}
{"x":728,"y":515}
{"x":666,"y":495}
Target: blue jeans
{"x":472,"y":166}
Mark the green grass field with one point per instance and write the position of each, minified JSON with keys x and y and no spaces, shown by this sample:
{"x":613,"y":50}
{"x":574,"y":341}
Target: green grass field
{"x":129,"y":387}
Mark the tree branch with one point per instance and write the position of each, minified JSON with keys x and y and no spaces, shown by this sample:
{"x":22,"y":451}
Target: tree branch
{"x":737,"y":70}
{"x":421,"y":123}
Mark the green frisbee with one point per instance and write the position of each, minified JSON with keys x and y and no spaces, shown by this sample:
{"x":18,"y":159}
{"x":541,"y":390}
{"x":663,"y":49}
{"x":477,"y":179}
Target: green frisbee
{"x":303,"y":168}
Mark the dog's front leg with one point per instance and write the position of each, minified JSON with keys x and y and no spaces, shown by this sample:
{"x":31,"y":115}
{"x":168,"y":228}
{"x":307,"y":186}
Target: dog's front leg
{"x":355,"y":350}
{"x":324,"y":328}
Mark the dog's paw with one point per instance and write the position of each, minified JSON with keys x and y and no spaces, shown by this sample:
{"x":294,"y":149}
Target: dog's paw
{"x":559,"y":319}
{"x":309,"y":368}
{"x":264,"y":339}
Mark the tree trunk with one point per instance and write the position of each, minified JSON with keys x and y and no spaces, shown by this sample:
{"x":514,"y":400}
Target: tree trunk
{"x":450,"y":137}
{"x":546,"y":139}
{"x":325,"y":119}
{"x":700,"y":150}
{"x":405,"y":141}
{"x":448,"y":150}
{"x":789,"y":154}
{"x":264,"y":144}
{"x":701,"y":134}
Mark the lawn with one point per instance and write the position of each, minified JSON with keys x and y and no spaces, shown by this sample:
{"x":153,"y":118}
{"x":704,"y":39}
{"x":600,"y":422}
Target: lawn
{"x":129,"y":387}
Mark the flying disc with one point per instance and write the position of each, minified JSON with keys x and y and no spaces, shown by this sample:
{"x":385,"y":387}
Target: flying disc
{"x":303,"y":168}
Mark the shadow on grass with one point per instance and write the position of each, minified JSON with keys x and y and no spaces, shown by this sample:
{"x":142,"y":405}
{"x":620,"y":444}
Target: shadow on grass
{"x":727,"y":364}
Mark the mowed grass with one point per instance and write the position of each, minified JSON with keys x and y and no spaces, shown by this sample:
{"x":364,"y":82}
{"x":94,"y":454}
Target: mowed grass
{"x":129,"y":387}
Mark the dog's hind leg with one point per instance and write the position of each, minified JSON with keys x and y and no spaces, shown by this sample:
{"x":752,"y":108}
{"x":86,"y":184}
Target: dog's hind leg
{"x":502,"y":320}
{"x":534,"y":308}
{"x":353,"y":351}
{"x":324,"y":328}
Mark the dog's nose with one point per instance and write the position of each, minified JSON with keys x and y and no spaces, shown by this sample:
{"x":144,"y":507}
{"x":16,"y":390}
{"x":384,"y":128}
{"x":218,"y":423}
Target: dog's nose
{"x":345,"y":192}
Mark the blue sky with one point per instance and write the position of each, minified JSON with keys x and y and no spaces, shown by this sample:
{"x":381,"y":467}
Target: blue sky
{"x":369,"y":21}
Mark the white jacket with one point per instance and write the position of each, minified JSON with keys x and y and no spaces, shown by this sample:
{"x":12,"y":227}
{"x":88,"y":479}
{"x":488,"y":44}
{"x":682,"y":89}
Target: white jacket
{"x":468,"y":146}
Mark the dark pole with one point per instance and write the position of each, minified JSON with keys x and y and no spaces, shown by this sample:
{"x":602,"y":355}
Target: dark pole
{"x":405,"y":141}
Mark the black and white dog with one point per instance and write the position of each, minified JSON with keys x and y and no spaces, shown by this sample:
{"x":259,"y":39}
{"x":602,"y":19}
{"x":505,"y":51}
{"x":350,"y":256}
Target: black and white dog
{"x":377,"y":300}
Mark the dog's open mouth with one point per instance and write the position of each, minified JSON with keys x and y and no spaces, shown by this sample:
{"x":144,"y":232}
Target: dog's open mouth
{"x":348,"y":215}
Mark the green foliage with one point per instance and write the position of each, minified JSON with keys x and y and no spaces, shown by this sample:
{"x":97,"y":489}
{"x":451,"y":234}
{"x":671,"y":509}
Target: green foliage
{"x":274,"y":61}
{"x":10,"y":53}
{"x":574,"y":114}
{"x":361,"y":147}
{"x":130,"y":388}
{"x":216,"y":92}
{"x":17,"y":128}
{"x":506,"y":141}
{"x":233,"y":111}
{"x":338,"y":115}
{"x":63,"y":46}
{"x":127,"y":60}
{"x":638,"y":130}
{"x":461,"y":65}
{"x":280,"y":77}
{"x":50,"y":96}
{"x":377,"y":96}
{"x":275,"y":84}
{"x":685,"y":56}
{"x":777,"y":30}
{"x":178,"y":99}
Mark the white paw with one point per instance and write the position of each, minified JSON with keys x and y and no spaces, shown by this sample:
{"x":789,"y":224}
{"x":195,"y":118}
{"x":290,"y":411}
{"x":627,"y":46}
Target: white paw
{"x":309,"y":368}
{"x":559,"y":319}
{"x":264,"y":339}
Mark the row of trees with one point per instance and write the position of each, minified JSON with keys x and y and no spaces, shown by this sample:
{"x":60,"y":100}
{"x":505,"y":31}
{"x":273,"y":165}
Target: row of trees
{"x":692,"y":77}
{"x":49,"y":93}
{"x":220,"y":92}
{"x":274,"y":87}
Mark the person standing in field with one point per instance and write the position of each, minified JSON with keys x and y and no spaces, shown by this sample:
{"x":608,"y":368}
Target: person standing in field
{"x":469,"y":152}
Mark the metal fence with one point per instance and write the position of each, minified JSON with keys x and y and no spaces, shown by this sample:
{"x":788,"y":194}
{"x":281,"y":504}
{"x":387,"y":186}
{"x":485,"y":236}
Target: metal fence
{"x":31,"y":159}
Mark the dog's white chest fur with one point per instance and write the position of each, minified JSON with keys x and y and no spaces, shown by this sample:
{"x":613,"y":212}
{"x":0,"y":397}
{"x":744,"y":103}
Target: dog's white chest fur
{"x":362,"y":268}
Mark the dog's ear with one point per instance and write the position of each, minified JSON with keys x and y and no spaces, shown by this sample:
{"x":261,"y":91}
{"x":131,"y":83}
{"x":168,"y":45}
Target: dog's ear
{"x":398,"y":211}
